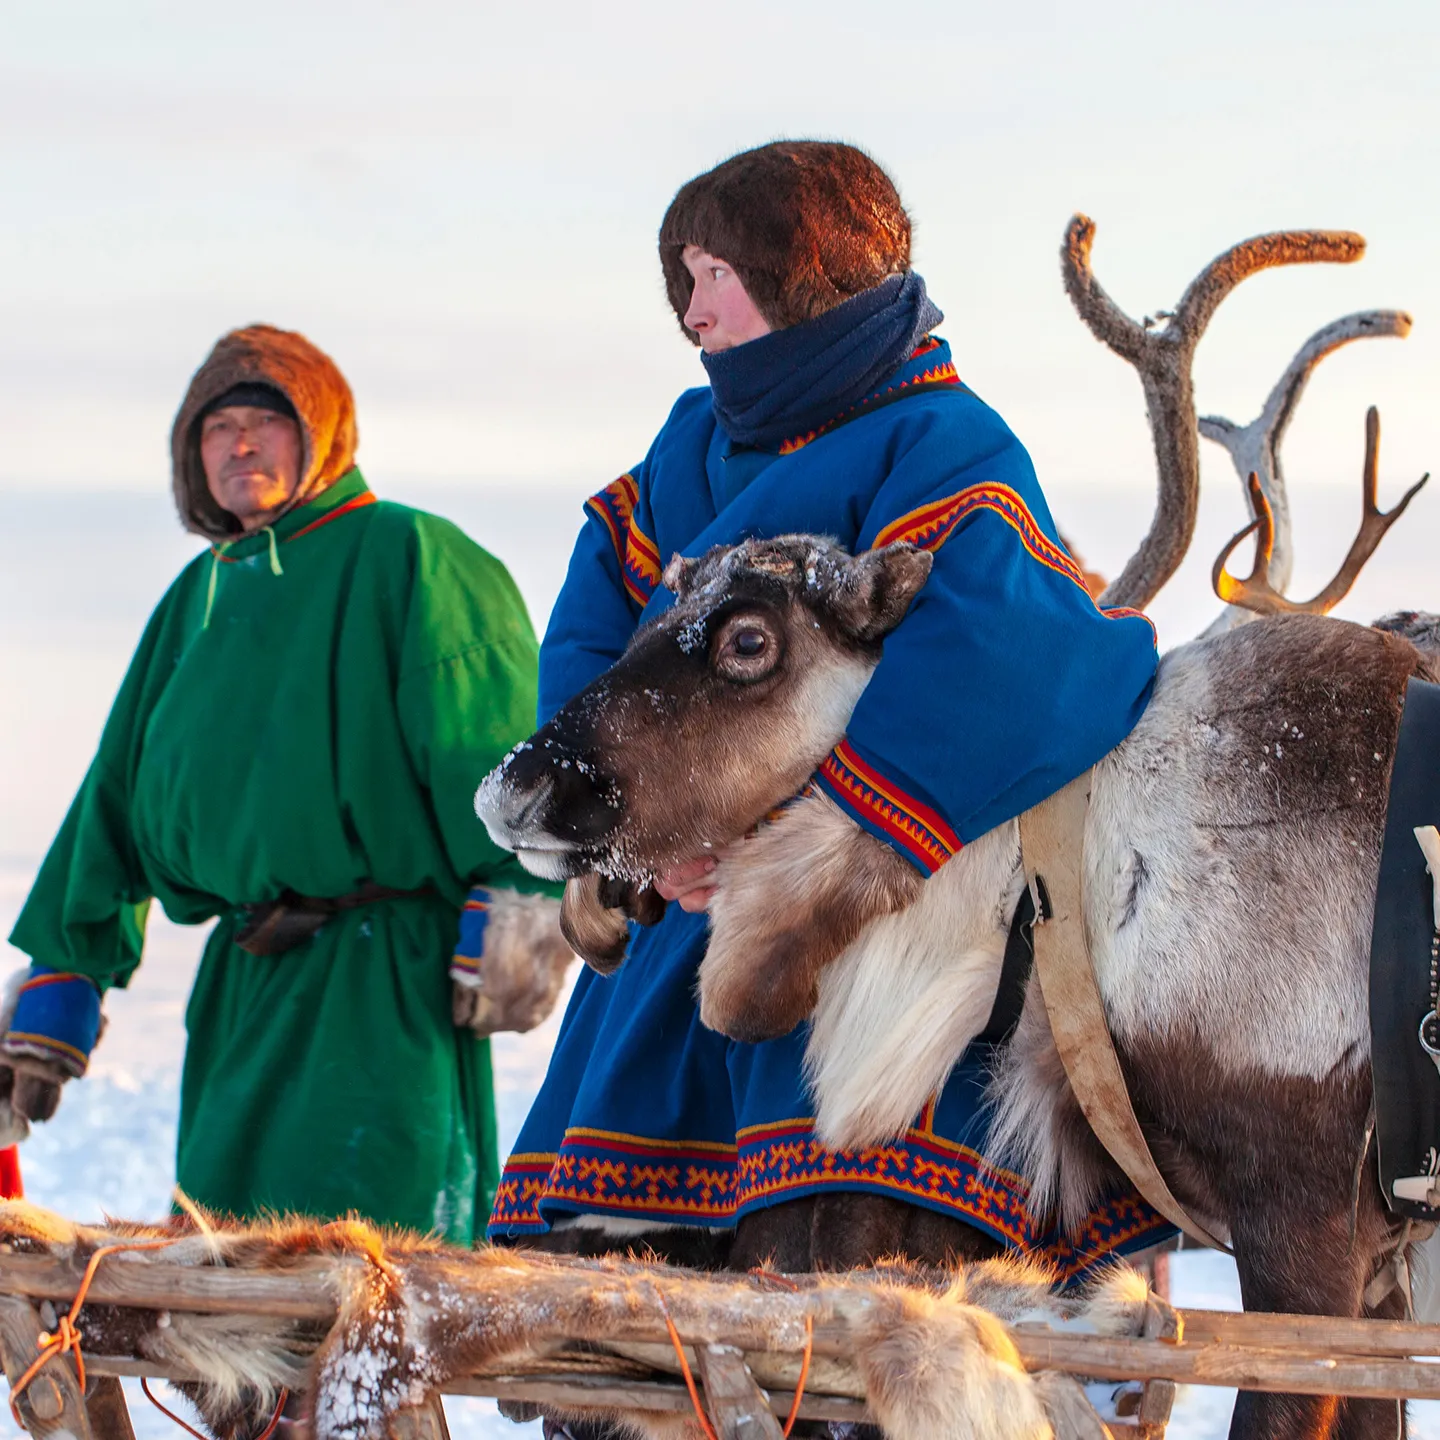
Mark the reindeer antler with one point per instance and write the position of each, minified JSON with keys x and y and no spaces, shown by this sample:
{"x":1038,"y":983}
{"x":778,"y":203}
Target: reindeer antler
{"x":1256,"y":447}
{"x":1256,"y":593}
{"x":1163,"y":356}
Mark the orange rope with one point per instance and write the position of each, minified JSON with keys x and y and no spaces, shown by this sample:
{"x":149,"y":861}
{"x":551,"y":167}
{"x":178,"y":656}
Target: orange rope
{"x":66,"y":1338}
{"x":804,"y":1375}
{"x":700,"y":1414}
{"x":165,"y":1410}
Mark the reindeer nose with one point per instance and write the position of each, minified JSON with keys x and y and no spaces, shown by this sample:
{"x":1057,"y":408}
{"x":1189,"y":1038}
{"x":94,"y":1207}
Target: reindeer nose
{"x":562,"y":792}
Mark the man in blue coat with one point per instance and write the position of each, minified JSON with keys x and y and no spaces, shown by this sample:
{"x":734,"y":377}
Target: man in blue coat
{"x":834,"y":408}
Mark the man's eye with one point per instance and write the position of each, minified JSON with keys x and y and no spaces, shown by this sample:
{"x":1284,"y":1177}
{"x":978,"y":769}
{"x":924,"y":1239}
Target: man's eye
{"x":716,"y":272}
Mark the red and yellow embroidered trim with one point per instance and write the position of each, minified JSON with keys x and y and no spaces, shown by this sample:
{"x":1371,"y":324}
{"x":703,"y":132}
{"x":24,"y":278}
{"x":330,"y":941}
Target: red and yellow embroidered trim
{"x":931,"y":526}
{"x":713,"y":1182}
{"x":642,"y":565}
{"x":879,"y":802}
{"x":614,"y":505}
{"x":943,"y":374}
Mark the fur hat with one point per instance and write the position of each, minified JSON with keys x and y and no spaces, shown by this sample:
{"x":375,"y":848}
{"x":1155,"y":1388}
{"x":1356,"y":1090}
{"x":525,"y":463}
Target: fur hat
{"x":310,"y":382}
{"x":806,"y":224}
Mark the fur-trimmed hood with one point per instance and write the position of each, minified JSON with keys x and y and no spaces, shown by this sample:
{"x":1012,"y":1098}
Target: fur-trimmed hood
{"x":805,"y":223}
{"x":312,"y":383}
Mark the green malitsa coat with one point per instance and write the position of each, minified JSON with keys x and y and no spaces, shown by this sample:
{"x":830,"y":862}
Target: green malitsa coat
{"x":310,"y":710}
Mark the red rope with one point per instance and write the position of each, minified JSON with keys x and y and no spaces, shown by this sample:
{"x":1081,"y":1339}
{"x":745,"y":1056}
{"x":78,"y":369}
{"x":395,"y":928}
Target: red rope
{"x":700,"y":1414}
{"x":265,"y":1434}
{"x":169,"y":1413}
{"x":804,"y":1375}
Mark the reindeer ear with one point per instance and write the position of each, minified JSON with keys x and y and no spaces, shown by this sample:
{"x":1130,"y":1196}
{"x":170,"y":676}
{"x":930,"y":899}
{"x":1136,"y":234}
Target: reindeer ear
{"x":678,"y":574}
{"x":880,"y":586}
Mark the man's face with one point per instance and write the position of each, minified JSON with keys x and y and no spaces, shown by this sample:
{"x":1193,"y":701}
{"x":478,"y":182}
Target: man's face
{"x":720,"y":312}
{"x":252,"y":461}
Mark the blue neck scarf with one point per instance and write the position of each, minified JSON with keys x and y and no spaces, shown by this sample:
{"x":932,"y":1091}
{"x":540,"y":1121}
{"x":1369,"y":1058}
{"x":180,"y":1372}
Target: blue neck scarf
{"x":791,"y":381}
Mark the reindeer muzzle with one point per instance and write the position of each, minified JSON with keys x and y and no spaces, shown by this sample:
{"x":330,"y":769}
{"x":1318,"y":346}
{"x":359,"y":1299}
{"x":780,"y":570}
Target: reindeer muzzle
{"x":551,"y":805}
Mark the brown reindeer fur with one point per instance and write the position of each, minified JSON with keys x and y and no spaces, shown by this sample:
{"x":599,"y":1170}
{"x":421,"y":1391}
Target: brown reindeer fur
{"x":789,"y":899}
{"x":848,"y":1230}
{"x":300,"y":371}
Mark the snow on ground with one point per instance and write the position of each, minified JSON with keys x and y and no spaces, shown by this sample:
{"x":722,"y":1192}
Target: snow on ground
{"x":78,"y":576}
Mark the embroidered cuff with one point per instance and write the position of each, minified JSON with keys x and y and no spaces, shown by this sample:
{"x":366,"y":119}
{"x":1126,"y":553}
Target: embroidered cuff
{"x":470,"y":948}
{"x":880,"y":806}
{"x":57,"y":1019}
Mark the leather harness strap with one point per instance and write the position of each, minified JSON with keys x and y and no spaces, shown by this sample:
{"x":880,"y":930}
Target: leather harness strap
{"x":1052,"y":851}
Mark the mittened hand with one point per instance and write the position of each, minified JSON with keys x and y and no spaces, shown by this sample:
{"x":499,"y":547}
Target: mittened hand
{"x":49,"y":1023}
{"x":510,"y":964}
{"x":31,"y":1090}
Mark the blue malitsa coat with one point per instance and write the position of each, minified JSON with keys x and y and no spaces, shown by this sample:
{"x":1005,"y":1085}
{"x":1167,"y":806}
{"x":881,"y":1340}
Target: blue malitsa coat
{"x":1003,"y":683}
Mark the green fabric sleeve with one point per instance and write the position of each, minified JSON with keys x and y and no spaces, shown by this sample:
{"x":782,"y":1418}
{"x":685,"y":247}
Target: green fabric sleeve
{"x":466,"y":692}
{"x":86,"y":911}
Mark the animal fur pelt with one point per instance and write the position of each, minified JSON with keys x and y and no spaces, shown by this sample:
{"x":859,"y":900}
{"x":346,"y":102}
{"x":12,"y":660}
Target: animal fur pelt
{"x":312,"y":383}
{"x":521,"y":971}
{"x":931,"y":1350}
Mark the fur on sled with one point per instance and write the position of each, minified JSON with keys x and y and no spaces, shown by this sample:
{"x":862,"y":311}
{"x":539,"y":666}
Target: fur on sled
{"x":931,"y":1349}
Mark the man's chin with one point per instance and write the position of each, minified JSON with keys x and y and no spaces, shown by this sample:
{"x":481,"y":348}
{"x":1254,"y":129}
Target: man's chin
{"x":252,"y":503}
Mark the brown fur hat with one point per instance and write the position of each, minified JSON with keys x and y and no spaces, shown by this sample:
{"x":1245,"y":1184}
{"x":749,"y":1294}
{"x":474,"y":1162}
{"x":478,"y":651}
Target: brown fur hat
{"x":806,"y":224}
{"x":312,"y":383}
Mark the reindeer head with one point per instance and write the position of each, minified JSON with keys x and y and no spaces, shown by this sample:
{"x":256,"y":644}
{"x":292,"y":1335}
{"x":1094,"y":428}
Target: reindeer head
{"x":719,"y":709}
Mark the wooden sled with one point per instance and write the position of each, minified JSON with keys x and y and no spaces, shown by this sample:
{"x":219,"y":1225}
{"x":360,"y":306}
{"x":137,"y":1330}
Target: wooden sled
{"x":743,"y":1357}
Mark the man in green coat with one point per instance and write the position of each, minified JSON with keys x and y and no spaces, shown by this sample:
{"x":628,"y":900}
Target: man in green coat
{"x":294,"y":751}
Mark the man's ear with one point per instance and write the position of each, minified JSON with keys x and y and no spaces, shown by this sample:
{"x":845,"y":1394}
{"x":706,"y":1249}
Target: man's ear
{"x":678,"y":574}
{"x":879,"y":587}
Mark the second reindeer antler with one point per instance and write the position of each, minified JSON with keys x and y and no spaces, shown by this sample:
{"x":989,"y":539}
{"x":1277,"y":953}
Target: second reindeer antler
{"x":1256,"y":446}
{"x":1256,"y":593}
{"x":1163,"y":355}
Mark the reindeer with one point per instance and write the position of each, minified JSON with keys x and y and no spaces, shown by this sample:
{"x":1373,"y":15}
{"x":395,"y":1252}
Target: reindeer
{"x":1230,"y":855}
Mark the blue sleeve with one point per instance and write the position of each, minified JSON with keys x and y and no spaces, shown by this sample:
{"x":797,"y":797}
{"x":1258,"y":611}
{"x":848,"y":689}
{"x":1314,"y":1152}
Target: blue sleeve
{"x":1005,"y":681}
{"x":600,"y":602}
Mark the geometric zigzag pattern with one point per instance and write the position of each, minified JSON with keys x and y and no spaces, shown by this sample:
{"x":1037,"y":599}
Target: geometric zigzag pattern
{"x":713,"y":1184}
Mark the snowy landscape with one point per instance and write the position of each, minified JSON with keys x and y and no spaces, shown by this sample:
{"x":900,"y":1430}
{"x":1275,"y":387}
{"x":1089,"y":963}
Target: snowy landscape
{"x":78,"y":576}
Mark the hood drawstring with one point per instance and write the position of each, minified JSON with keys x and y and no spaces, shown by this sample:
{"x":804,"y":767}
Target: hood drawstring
{"x":217,"y":554}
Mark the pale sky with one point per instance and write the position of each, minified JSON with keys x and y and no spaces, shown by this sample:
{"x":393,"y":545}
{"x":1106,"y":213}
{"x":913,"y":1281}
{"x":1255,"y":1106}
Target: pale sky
{"x":459,"y":202}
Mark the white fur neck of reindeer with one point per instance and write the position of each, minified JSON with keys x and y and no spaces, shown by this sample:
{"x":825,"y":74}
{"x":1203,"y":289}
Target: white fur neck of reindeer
{"x":1429,"y":838}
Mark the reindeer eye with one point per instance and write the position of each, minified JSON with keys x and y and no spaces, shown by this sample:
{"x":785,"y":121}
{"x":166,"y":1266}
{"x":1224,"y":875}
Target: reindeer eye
{"x":747,"y":649}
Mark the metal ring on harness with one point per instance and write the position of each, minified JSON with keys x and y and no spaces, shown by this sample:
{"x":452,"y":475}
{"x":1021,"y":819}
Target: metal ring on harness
{"x":1431,"y":1018}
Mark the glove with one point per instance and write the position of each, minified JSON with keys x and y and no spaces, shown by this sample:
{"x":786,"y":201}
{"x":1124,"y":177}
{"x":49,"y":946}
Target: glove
{"x":50,"y":1021}
{"x":510,"y":963}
